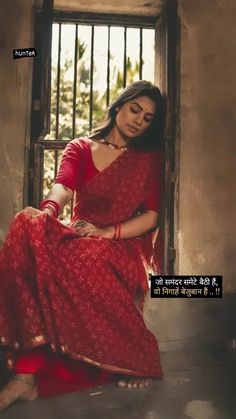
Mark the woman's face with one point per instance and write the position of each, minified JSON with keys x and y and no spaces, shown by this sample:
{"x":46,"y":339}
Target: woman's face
{"x":135,"y":116}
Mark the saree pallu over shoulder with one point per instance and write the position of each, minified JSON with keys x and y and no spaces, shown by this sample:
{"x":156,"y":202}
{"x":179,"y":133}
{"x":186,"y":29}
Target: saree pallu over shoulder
{"x":77,"y":293}
{"x":118,"y":192}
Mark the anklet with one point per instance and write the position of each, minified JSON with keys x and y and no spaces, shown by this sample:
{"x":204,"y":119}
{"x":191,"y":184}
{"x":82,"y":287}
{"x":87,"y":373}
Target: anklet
{"x":24,"y":380}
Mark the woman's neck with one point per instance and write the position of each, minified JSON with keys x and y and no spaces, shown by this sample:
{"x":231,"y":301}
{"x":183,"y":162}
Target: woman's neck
{"x":115,"y":137}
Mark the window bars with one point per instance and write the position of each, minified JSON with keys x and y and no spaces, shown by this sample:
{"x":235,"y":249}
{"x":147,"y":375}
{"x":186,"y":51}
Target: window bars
{"x":92,"y":59}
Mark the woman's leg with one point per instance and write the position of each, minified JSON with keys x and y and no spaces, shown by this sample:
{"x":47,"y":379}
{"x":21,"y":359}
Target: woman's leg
{"x":23,"y":385}
{"x":20,"y":387}
{"x":49,"y":373}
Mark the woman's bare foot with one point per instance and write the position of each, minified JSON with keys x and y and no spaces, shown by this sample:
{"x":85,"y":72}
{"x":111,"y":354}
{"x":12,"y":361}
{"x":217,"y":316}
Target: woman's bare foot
{"x":20,"y":387}
{"x":133,"y":382}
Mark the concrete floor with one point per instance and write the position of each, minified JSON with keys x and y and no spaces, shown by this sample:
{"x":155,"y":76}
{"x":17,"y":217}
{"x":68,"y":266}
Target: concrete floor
{"x":197,"y":385}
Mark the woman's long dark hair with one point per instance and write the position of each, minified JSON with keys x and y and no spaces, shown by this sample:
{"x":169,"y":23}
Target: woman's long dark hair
{"x":152,"y":139}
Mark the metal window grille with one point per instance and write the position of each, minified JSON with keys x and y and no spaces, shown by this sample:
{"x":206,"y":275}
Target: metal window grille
{"x":91,"y":61}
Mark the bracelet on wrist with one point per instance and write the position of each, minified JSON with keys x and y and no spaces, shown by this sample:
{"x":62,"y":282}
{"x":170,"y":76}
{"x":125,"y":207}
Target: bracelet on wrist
{"x":119,"y":228}
{"x":117,"y":231}
{"x":53,"y":206}
{"x":49,"y":210}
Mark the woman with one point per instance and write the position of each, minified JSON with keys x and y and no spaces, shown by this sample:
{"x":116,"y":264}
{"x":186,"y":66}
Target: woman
{"x":72,"y":297}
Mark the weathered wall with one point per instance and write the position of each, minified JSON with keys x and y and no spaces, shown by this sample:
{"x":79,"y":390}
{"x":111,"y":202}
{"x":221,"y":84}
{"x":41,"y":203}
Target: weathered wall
{"x":15,"y":78}
{"x":206,"y":228}
{"x":207,"y":144}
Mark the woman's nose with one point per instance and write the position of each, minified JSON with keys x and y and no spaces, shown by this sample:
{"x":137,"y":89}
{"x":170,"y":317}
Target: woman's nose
{"x":139,"y":119}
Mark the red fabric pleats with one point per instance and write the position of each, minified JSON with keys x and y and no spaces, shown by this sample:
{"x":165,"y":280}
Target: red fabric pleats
{"x":77,"y":295}
{"x":83,"y":305}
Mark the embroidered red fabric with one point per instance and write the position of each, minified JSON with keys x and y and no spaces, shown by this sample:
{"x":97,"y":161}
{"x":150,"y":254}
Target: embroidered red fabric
{"x":77,"y":168}
{"x":76,"y":295}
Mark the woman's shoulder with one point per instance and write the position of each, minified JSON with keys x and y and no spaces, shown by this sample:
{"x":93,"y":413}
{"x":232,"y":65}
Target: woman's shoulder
{"x":78,"y":146}
{"x":80,"y":143}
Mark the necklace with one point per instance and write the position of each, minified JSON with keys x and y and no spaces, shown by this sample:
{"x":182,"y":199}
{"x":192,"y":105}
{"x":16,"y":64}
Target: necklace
{"x":113,"y":146}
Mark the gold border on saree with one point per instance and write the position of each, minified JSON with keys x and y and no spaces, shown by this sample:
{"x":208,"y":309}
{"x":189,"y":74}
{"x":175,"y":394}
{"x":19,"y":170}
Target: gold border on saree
{"x":39,"y":340}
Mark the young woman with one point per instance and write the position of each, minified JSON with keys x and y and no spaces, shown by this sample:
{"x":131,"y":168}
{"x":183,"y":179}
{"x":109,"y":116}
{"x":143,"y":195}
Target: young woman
{"x":71,"y":297}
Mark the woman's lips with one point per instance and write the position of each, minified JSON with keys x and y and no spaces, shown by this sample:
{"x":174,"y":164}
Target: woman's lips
{"x":132,"y":129}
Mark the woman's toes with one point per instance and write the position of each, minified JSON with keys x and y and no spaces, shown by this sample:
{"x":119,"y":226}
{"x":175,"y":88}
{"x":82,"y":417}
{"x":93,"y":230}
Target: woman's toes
{"x":148,"y":381}
{"x":134,"y":383}
{"x":141,"y":383}
{"x":121,"y":383}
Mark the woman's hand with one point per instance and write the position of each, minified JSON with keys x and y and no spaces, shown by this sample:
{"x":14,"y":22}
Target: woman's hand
{"x":34,"y":212}
{"x":85,"y":229}
{"x":134,"y":227}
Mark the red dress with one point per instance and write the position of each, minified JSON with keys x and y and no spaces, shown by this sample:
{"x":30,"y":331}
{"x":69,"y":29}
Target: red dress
{"x":72,"y":298}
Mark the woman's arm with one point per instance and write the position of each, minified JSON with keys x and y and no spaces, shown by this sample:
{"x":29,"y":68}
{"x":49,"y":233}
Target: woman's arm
{"x":134,"y":227}
{"x":138,"y":225}
{"x":67,"y":177}
{"x":59,"y":193}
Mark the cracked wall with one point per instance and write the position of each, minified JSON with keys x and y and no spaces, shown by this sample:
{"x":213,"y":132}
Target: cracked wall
{"x":15,"y":79}
{"x":205,"y":221}
{"x":207,"y":204}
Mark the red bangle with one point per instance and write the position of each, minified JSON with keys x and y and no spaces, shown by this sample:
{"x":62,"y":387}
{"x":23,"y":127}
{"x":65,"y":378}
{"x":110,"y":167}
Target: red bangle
{"x":117,"y":231}
{"x":119,"y":228}
{"x":52,"y":205}
{"x":114,"y":235}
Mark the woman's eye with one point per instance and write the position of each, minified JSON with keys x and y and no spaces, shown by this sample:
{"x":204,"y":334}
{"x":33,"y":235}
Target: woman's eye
{"x":134,"y":110}
{"x":148,"y":120}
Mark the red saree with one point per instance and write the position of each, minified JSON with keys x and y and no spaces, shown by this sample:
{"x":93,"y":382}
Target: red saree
{"x":77,"y":294}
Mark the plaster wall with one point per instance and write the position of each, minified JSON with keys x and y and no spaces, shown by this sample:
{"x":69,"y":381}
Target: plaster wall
{"x":207,"y":139}
{"x":15,"y":86}
{"x":206,"y":194}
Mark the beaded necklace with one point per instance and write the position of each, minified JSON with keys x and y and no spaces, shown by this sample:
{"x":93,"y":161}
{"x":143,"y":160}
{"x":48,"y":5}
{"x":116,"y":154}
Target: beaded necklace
{"x":113,"y":146}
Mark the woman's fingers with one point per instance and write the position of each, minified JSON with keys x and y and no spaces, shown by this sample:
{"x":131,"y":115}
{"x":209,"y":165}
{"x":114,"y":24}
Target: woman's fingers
{"x":34,"y":212}
{"x":86,"y":230}
{"x":91,"y":233}
{"x":80,"y":223}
